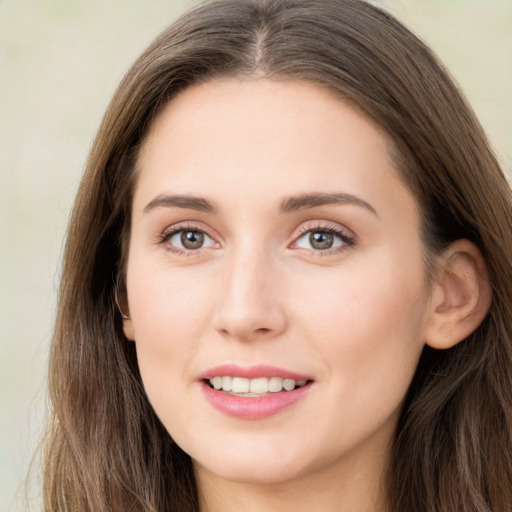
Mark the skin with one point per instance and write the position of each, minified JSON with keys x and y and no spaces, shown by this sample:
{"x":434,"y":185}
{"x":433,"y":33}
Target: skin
{"x":354,"y":317}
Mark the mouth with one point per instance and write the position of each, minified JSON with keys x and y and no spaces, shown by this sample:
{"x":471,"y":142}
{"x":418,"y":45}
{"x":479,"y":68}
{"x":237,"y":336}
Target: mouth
{"x":257,"y":387}
{"x":253,"y":393}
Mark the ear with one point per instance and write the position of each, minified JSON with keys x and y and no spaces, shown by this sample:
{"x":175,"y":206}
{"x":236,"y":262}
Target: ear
{"x":461,"y":296}
{"x":122,"y":305}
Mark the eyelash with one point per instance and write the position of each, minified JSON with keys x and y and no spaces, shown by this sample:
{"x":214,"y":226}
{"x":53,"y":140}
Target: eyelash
{"x":167,"y":235}
{"x":347,"y":240}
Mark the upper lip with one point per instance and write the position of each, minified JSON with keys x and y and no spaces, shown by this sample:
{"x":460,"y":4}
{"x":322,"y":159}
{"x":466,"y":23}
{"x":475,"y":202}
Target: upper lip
{"x":251,"y":372}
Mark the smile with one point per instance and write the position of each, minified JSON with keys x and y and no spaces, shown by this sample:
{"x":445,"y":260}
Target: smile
{"x":253,"y":393}
{"x":241,"y":386}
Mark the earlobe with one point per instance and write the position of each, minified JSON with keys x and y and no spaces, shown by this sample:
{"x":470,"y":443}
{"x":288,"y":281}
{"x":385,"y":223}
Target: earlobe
{"x":461,"y":296}
{"x":128,"y":329}
{"x":122,"y":306}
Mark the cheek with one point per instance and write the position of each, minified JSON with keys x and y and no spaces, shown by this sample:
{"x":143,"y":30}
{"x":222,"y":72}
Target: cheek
{"x":379,"y":295}
{"x":169,"y":312}
{"x":168,"y":306}
{"x":367,"y":325}
{"x":367,"y":331}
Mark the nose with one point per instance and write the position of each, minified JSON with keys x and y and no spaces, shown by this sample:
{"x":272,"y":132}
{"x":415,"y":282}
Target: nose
{"x":250,"y":301}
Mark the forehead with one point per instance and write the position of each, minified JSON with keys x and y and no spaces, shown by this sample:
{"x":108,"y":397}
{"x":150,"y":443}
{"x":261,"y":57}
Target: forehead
{"x":263,"y":139}
{"x":252,"y":110}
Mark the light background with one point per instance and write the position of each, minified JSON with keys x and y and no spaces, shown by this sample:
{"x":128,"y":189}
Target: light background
{"x":60,"y":61}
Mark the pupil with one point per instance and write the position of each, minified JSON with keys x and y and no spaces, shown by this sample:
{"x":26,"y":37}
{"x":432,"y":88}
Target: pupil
{"x":321,"y":240}
{"x":192,"y":239}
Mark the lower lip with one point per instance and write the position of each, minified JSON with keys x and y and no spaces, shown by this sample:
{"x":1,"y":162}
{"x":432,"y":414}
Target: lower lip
{"x":253,"y":408}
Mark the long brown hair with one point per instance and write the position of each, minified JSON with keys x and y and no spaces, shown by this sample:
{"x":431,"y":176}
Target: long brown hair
{"x":106,"y":449}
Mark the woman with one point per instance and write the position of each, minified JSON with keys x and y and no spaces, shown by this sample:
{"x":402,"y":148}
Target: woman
{"x":286,"y":278}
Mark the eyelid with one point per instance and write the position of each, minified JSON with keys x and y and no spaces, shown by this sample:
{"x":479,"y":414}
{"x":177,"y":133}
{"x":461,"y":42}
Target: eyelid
{"x":348,"y":237}
{"x":164,"y":237}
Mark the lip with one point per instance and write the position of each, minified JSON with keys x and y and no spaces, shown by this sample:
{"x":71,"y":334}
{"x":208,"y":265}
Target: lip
{"x":252,"y":408}
{"x":251,"y":372}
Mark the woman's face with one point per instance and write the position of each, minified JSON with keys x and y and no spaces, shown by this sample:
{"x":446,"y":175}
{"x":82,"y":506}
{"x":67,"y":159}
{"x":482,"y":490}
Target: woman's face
{"x":273,"y":245}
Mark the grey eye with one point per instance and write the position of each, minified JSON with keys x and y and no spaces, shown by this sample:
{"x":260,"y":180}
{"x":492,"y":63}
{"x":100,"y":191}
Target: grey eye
{"x":321,"y":240}
{"x":192,"y":239}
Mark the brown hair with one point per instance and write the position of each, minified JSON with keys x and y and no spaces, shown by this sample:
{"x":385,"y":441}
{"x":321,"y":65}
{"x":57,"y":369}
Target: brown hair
{"x":105,"y":447}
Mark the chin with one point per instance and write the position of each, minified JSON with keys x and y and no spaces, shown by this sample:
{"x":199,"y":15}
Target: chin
{"x":251,"y":463}
{"x":254,"y":472}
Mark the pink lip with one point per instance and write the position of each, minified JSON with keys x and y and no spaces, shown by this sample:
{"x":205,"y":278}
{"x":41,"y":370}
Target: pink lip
{"x":251,"y":372}
{"x":252,"y":408}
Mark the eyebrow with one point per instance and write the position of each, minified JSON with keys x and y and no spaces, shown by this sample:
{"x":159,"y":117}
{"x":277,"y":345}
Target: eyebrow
{"x":290,"y":204}
{"x":312,"y":200}
{"x":181,"y":201}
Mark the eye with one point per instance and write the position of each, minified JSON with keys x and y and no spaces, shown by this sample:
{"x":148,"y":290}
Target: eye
{"x":323,"y":239}
{"x":187,"y":240}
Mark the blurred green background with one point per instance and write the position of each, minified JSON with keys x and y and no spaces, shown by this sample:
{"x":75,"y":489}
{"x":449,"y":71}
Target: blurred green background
{"x":60,"y":61}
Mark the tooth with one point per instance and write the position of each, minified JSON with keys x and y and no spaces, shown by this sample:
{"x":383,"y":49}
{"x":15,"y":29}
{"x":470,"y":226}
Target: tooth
{"x":288,"y":384}
{"x":240,"y":385}
{"x":258,"y":385}
{"x":227,"y":383}
{"x":275,"y":384}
